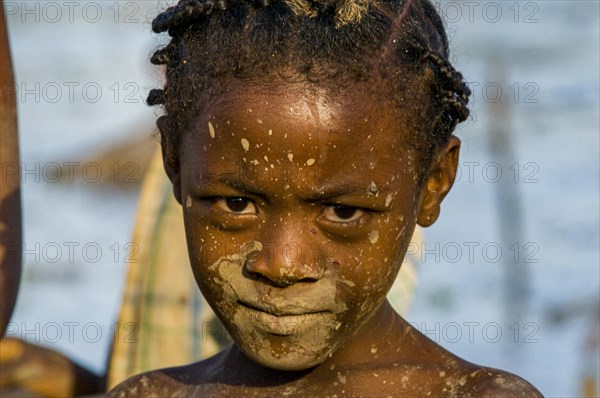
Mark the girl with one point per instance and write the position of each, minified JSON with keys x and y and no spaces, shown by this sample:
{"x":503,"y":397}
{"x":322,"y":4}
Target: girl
{"x":305,"y":140}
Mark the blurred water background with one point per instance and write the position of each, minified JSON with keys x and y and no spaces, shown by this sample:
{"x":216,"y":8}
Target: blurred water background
{"x":83,"y":73}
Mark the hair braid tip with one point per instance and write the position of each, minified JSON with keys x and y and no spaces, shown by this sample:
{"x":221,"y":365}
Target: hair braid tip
{"x":345,"y":11}
{"x":156,"y":97}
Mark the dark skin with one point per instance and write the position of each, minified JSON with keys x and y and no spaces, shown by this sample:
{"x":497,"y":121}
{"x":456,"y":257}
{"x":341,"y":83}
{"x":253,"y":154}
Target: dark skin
{"x":336,"y":180}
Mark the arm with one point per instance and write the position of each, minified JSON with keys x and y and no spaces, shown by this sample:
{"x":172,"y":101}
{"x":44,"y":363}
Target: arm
{"x":31,"y":369}
{"x":24,"y":365}
{"x":10,"y":190}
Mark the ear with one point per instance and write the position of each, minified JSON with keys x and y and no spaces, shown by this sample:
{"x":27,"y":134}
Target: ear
{"x":170,"y":158}
{"x":438,"y":183}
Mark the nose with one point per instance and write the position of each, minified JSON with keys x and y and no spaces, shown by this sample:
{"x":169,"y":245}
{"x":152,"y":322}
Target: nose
{"x":289,"y":255}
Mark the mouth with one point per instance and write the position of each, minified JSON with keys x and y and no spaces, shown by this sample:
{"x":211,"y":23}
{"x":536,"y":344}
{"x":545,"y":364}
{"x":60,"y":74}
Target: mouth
{"x":285,"y":320}
{"x":282,"y":309}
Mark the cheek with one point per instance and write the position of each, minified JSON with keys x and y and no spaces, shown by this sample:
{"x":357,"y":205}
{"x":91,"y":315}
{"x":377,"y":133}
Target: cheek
{"x":206,"y":246}
{"x":375,"y":262}
{"x":218,"y":270}
{"x":364,"y":275}
{"x":367,"y":271}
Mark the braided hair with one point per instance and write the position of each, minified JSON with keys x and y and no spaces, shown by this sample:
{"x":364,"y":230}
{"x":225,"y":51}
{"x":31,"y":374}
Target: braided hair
{"x":335,"y":43}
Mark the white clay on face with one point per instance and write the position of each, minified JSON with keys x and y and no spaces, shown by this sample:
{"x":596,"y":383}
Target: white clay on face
{"x":310,"y":162}
{"x":374,"y":236}
{"x":388,"y":199}
{"x":188,"y":202}
{"x":245,"y":144}
{"x":291,"y":157}
{"x":372,"y":189}
{"x":308,"y":337}
{"x":211,"y":130}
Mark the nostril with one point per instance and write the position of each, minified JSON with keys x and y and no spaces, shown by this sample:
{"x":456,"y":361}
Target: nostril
{"x":283,"y":266}
{"x":281,"y":276}
{"x":257,"y":276}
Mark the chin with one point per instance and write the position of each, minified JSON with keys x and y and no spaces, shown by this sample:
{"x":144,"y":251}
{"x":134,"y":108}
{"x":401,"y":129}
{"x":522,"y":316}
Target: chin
{"x":288,"y":346}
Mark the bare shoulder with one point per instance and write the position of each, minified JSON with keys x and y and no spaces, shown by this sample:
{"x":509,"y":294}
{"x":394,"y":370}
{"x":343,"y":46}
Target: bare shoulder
{"x":182,"y":381}
{"x":156,"y":383}
{"x":490,"y":382}
{"x":442,"y":373}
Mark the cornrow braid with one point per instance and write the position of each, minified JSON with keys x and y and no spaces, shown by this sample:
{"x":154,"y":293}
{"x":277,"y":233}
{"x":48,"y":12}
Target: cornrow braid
{"x":162,"y":57}
{"x":345,"y":12}
{"x":183,"y":12}
{"x":332,"y":43}
{"x":156,"y":97}
{"x":452,"y":92}
{"x":261,"y":3}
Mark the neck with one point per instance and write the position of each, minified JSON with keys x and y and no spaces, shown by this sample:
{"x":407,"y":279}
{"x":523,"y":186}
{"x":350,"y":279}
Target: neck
{"x":238,"y":369}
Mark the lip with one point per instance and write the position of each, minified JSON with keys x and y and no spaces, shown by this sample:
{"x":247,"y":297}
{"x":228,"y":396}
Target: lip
{"x":280,"y":310}
{"x":284,"y":321}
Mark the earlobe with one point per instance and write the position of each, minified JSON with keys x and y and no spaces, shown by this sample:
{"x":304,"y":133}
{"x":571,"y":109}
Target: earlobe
{"x":438,"y":183}
{"x":170,"y":159}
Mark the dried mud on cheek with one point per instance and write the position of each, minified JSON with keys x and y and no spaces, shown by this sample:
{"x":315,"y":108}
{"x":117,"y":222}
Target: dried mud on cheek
{"x":315,"y":342}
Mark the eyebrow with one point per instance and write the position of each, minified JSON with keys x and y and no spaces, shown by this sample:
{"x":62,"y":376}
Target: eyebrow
{"x":328,"y":190}
{"x":232,"y":183}
{"x":334,"y":190}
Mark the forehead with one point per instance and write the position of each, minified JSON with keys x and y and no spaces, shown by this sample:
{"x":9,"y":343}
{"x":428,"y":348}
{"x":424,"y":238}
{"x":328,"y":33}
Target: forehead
{"x":291,"y":132}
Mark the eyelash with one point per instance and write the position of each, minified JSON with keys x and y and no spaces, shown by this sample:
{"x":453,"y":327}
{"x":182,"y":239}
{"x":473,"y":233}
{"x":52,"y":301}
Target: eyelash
{"x":225,"y":210}
{"x":344,"y":224}
{"x":223,"y":206}
{"x":230,"y":210}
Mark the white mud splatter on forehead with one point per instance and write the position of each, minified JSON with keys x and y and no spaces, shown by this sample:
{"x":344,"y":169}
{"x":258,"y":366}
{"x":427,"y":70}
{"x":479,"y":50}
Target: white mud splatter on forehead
{"x":372,"y":189}
{"x":245,"y":144}
{"x":373,"y":236}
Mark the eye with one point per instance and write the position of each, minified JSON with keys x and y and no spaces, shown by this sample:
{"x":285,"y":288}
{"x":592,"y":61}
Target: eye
{"x":342,"y":214}
{"x":236,"y":205}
